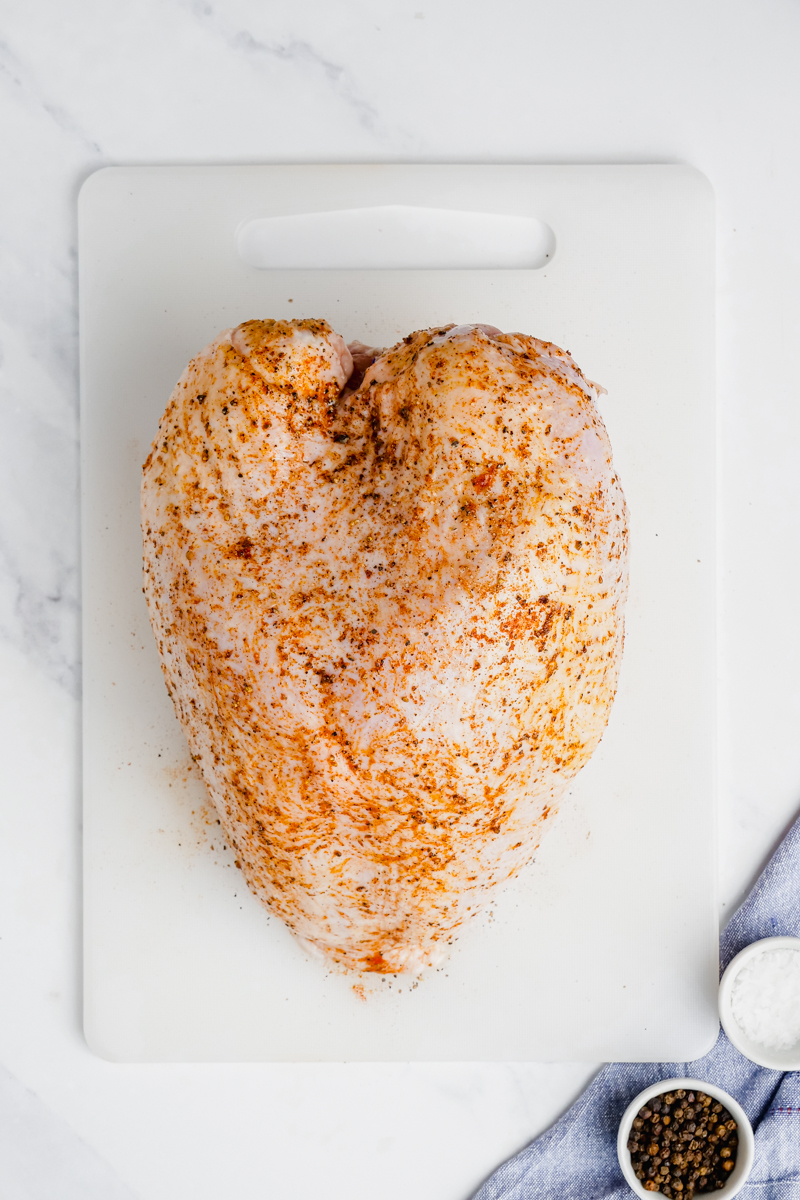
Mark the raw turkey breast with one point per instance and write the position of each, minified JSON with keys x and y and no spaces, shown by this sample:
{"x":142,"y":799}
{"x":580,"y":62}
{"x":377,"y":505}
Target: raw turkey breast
{"x":389,"y":614}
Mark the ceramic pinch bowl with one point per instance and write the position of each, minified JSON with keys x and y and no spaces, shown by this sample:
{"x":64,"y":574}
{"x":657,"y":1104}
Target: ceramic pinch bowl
{"x":765,"y":1056}
{"x":745,"y":1153}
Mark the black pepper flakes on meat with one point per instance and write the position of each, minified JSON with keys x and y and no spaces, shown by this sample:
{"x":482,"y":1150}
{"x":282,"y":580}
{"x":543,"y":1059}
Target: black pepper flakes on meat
{"x":308,"y":607}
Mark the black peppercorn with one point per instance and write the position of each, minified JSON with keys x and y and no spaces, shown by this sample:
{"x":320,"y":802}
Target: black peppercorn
{"x":685,"y":1150}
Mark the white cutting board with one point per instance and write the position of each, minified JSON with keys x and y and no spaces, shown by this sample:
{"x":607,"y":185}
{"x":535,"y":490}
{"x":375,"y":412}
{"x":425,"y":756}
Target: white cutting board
{"x":607,"y":947}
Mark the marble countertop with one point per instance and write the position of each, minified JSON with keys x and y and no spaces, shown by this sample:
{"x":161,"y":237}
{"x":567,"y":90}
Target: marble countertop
{"x":89,"y":84}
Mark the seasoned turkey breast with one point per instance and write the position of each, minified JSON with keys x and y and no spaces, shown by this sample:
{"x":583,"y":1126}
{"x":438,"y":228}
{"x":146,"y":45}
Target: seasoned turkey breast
{"x":389,"y":614}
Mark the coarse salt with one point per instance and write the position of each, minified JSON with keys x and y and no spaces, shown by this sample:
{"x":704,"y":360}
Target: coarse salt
{"x":765,"y":999}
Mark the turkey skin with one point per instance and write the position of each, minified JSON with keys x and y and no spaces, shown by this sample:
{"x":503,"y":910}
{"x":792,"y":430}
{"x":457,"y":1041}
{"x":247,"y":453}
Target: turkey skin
{"x":387,"y":590}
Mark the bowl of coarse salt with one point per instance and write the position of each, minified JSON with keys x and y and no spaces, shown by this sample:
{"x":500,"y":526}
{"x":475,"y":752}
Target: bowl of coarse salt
{"x":759,"y":1002}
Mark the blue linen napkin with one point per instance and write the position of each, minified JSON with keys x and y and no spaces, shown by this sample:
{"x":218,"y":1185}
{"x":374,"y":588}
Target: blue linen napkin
{"x":577,"y":1157}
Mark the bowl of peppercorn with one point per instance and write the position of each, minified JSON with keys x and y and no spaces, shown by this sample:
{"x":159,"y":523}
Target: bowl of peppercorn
{"x":685,"y":1138}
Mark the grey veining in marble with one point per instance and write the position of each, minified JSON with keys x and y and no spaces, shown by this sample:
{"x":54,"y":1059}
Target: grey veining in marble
{"x":42,"y":1158}
{"x":39,"y":587}
{"x":260,"y":54}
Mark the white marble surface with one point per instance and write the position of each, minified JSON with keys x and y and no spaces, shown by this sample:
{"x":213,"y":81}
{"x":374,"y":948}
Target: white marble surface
{"x":102,"y":81}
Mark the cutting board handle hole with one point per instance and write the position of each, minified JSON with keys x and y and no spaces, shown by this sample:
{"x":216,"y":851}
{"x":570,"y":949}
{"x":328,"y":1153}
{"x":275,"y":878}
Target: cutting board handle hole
{"x":396,"y":237}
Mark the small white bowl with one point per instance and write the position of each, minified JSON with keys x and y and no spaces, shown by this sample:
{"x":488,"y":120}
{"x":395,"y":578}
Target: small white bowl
{"x":765,"y":1056}
{"x":744,"y":1154}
